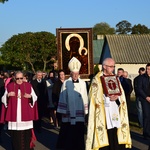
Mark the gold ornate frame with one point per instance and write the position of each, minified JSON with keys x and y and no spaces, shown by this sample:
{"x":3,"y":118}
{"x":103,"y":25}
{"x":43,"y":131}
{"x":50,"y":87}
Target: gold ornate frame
{"x":75,"y":42}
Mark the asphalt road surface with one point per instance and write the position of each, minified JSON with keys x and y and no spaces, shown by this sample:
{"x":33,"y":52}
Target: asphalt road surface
{"x":46,"y":140}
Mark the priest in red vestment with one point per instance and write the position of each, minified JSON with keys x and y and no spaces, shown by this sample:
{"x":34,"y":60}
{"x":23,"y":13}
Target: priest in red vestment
{"x":19,"y":109}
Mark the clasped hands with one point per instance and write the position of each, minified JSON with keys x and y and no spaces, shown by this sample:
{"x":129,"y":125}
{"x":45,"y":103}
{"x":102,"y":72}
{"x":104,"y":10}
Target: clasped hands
{"x":13,"y":94}
{"x":113,"y":97}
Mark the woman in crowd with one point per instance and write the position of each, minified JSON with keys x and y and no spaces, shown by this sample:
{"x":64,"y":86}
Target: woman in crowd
{"x":56,"y":92}
{"x":50,"y":82}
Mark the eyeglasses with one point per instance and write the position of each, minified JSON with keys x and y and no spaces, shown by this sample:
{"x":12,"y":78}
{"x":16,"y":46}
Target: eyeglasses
{"x":110,"y":66}
{"x":19,"y":78}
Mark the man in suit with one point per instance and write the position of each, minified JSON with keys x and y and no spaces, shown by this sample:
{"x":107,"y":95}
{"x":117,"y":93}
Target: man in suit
{"x":138,"y":100}
{"x":124,"y":83}
{"x":128,"y":94}
{"x":39,"y":86}
{"x":143,"y":90}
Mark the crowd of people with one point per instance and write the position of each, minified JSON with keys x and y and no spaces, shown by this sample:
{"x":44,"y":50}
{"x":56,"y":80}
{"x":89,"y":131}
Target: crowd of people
{"x":101,"y":108}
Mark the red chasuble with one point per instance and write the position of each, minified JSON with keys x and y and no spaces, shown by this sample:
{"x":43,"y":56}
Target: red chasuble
{"x":28,"y":113}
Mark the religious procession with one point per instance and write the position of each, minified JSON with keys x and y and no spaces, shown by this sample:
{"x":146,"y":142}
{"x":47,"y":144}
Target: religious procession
{"x":73,"y":107}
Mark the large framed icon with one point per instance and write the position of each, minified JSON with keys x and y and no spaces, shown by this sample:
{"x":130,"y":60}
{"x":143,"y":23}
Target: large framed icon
{"x":75,"y":42}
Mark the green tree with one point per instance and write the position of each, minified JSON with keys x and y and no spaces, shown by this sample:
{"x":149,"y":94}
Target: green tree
{"x":3,"y":64}
{"x":102,"y":29}
{"x":30,"y":50}
{"x":123,"y":27}
{"x":140,"y":29}
{"x":3,"y":1}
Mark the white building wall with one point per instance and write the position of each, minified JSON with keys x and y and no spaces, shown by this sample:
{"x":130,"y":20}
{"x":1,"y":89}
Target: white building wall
{"x":132,"y":70}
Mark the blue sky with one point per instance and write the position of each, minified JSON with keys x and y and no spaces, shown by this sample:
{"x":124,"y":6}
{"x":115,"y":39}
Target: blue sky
{"x":20,"y":16}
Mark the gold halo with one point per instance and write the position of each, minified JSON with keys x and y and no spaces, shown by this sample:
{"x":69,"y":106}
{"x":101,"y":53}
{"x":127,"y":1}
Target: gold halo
{"x":83,"y":48}
{"x":73,"y":35}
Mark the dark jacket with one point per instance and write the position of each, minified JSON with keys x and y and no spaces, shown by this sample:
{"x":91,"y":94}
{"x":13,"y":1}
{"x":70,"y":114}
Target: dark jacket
{"x":56,"y":91}
{"x":143,"y":87}
{"x":125,"y":85}
{"x":41,"y":92}
{"x":135,"y":84}
{"x":129,"y":81}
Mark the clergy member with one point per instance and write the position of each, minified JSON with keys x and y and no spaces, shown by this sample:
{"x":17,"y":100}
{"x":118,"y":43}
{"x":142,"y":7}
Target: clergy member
{"x":108,"y":124}
{"x":19,"y":110}
{"x":73,"y":105}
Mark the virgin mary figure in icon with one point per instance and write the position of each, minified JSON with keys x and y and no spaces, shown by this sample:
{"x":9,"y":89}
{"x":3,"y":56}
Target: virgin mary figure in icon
{"x":75,"y":44}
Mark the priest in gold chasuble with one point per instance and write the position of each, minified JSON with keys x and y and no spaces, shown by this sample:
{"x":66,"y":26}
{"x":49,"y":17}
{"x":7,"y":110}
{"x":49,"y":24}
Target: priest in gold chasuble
{"x":108,"y":124}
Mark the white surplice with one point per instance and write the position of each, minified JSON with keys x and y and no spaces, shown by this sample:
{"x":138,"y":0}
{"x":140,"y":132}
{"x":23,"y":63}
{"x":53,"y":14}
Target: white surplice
{"x":112,"y":114}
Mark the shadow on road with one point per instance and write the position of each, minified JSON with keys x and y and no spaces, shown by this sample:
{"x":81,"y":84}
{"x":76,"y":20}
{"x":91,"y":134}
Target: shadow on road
{"x":139,"y":143}
{"x":47,"y":138}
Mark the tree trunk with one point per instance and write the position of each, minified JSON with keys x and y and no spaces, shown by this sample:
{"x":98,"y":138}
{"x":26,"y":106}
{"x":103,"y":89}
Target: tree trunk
{"x":32,"y":67}
{"x":44,"y":67}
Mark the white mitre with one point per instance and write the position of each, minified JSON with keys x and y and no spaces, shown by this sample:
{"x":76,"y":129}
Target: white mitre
{"x":74,"y":65}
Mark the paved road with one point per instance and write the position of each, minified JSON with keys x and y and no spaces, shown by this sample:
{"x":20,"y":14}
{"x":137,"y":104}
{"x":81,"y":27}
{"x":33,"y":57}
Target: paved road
{"x":46,"y":140}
